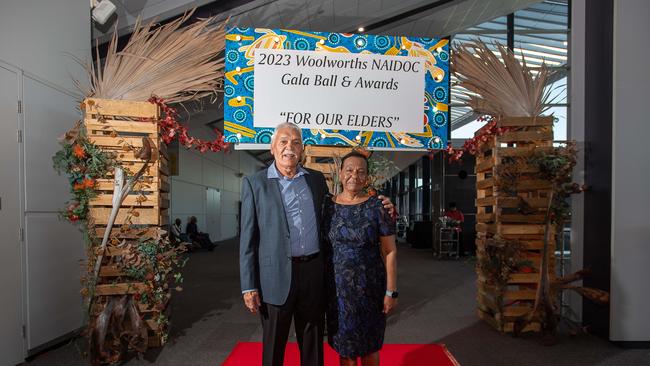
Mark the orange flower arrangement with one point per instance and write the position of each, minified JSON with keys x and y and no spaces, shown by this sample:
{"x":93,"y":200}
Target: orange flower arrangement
{"x":86,"y":183}
{"x":79,"y":151}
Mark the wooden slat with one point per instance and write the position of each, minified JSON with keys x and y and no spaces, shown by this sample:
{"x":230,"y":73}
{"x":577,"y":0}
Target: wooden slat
{"x":485,"y":217}
{"x":129,"y":156}
{"x":486,"y":228}
{"x":533,"y":184}
{"x":519,"y":218}
{"x":152,"y":170}
{"x":130,"y":200}
{"x":486,"y":201}
{"x":164,"y":184}
{"x":147,"y":216}
{"x":119,"y":289}
{"x":326,"y":151}
{"x":322,"y":167}
{"x":93,"y":126}
{"x":521,"y":229}
{"x":112,"y":251}
{"x":149,"y":232}
{"x":107,"y":185}
{"x":524,"y":278}
{"x":519,"y":295}
{"x":514,"y":152}
{"x":123,"y":108}
{"x":110,"y":271}
{"x":525,"y":121}
{"x":512,"y":202}
{"x":526,"y":136}
{"x":118,"y":142}
{"x":485,"y":183}
{"x":484,"y":166}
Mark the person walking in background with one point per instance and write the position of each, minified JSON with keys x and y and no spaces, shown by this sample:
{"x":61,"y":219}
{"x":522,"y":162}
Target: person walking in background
{"x":361,"y":267}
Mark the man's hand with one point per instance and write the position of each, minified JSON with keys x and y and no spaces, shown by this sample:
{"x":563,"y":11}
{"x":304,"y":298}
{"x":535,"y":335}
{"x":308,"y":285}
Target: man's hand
{"x":252,"y":301}
{"x":388,"y":205}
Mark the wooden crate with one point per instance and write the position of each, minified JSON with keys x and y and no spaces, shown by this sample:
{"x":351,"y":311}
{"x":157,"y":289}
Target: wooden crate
{"x":321,"y":158}
{"x":498,"y":214}
{"x":117,"y":127}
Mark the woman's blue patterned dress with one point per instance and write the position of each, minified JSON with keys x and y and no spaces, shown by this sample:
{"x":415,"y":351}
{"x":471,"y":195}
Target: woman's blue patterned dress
{"x":356,"y":276}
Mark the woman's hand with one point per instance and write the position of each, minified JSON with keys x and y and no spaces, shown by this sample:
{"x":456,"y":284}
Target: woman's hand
{"x":389,"y":304}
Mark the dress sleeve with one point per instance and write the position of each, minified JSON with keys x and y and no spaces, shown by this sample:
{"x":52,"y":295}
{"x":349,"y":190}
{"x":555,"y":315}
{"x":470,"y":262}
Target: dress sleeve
{"x":386,"y":223}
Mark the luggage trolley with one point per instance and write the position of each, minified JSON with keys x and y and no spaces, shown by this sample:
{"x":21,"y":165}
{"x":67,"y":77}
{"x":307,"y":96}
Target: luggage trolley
{"x":448,"y":241}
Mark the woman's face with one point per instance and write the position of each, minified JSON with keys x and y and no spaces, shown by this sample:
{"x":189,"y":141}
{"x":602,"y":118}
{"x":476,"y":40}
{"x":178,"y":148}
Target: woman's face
{"x":354,"y":174}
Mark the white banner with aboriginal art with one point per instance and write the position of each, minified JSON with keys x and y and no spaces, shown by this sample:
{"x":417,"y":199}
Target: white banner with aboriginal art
{"x":381,"y":92}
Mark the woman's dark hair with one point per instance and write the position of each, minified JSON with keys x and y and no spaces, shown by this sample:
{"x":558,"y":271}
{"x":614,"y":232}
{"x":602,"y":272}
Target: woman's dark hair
{"x":354,"y":154}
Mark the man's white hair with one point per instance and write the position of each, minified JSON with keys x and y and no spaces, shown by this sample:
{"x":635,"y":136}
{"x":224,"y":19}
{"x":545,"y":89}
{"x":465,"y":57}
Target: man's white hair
{"x":284,"y":125}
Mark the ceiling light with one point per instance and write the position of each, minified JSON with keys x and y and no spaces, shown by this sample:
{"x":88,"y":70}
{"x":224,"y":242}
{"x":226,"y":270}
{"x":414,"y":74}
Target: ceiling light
{"x":361,"y":29}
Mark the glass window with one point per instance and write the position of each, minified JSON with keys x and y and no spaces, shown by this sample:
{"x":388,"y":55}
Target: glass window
{"x":418,"y":201}
{"x":418,"y":174}
{"x":541,"y":36}
{"x":406,"y":181}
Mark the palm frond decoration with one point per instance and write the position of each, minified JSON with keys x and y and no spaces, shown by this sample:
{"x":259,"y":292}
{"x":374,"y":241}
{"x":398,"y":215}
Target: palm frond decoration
{"x":500,"y":88}
{"x":173,"y":63}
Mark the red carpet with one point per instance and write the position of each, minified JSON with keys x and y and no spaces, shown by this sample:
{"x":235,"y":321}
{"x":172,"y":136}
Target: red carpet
{"x":250,"y":354}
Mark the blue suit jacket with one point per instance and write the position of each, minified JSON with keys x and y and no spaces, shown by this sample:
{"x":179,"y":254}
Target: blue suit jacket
{"x":264,"y":246}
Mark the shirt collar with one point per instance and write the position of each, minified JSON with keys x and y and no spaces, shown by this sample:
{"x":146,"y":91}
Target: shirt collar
{"x":273,"y":172}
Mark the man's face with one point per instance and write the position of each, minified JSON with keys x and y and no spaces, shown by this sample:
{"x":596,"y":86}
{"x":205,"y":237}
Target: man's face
{"x":287,"y":148}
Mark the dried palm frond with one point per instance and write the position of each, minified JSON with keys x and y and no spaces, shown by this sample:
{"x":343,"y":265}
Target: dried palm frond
{"x":176,"y":64}
{"x":500,"y":88}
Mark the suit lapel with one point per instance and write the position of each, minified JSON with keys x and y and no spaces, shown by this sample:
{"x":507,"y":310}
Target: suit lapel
{"x":276,"y":195}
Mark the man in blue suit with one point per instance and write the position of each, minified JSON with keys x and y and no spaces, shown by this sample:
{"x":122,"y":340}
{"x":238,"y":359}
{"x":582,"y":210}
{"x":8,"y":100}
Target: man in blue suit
{"x":281,"y":266}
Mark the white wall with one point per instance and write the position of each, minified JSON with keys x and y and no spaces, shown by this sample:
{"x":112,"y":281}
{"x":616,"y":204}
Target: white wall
{"x":35,"y":40}
{"x":629,"y":320}
{"x":37,"y":37}
{"x":199,"y":171}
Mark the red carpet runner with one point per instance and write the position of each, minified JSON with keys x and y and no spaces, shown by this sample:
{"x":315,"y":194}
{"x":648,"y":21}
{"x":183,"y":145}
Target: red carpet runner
{"x":250,"y":354}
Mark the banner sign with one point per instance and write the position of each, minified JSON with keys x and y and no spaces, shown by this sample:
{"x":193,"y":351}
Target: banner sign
{"x":381,"y":92}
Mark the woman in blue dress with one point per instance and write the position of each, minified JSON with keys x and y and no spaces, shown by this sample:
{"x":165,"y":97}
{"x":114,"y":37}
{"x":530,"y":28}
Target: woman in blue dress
{"x":362,"y":267}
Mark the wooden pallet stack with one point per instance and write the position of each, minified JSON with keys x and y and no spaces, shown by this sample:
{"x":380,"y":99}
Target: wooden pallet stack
{"x":117,"y":127}
{"x":321,"y":158}
{"x":517,"y":213}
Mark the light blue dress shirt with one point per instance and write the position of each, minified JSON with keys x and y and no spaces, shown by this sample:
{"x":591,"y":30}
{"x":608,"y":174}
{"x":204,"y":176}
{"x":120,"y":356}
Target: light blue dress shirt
{"x":299,"y":209}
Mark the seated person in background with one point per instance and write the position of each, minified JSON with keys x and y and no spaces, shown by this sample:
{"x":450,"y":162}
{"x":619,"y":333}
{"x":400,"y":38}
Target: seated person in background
{"x":176,"y":234}
{"x":175,"y":231}
{"x":203,"y":239}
